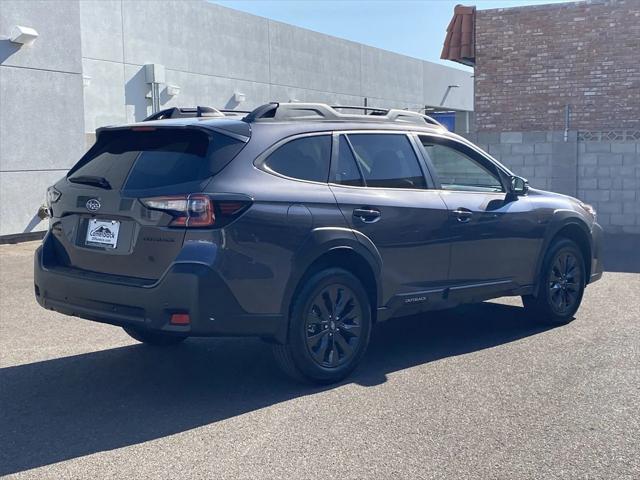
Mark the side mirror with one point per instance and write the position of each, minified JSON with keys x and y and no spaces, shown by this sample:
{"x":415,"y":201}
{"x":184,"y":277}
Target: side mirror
{"x":519,"y":185}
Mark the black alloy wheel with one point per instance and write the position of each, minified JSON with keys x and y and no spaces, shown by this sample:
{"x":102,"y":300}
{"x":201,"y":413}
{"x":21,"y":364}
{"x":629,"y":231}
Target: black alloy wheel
{"x":329,"y":328}
{"x":565,"y":282}
{"x":333,"y":326}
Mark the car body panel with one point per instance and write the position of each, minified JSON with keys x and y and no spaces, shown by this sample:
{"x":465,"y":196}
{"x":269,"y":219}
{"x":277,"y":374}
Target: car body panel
{"x":499,"y":241}
{"x":145,"y":245}
{"x":411,"y":234}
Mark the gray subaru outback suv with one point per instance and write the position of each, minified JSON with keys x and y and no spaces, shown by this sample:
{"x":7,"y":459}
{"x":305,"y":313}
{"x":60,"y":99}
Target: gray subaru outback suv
{"x":304,"y":225}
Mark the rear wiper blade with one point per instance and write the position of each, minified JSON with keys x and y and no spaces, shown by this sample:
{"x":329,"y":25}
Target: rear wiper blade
{"x":91,"y":180}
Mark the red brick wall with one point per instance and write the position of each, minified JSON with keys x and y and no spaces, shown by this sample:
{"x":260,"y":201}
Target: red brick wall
{"x":532,"y":61}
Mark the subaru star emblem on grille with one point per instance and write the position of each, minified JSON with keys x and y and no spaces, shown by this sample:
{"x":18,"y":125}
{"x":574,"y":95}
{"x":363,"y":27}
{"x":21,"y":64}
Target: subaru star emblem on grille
{"x":93,"y":205}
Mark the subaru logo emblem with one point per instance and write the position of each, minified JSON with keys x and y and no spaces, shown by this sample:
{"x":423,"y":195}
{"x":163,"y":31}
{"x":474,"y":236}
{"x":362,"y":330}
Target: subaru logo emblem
{"x":93,"y":205}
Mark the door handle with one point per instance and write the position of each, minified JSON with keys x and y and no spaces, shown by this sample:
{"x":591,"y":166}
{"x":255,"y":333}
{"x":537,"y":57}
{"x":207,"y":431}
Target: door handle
{"x":463,"y":215}
{"x":367,"y":215}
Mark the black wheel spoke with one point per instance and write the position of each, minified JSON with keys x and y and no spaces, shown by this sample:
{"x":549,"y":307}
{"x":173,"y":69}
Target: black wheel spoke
{"x":333,"y":326}
{"x":571,"y":297}
{"x":343,"y":344}
{"x":347,"y":308}
{"x":325,"y":311}
{"x":320,"y":353}
{"x":562,"y":264}
{"x":352,"y":329}
{"x":315,"y":316}
{"x":560,"y":302}
{"x":341,"y":301}
{"x":565,"y":278}
{"x":313,"y":340}
{"x":334,"y":357}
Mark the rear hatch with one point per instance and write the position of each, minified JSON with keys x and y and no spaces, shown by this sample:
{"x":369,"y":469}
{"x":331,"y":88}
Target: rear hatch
{"x":119,"y":207}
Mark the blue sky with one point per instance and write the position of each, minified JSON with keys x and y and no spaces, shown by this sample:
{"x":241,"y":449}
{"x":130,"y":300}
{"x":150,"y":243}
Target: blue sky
{"x":416,"y":28}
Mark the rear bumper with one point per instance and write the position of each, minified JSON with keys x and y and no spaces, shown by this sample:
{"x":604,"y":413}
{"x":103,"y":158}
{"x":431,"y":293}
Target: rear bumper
{"x":190,"y":285}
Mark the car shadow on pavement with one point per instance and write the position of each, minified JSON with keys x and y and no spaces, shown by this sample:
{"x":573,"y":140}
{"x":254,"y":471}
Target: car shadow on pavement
{"x":69,"y":407}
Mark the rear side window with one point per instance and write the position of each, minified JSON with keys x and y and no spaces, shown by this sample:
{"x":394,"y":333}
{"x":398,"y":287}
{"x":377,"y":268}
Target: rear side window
{"x":387,"y":160}
{"x":305,"y":158}
{"x":138,"y":160}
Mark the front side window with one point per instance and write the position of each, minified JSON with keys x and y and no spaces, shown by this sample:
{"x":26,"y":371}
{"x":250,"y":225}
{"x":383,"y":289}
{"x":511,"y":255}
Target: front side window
{"x":305,"y":158}
{"x":457,"y":170}
{"x":386,"y":160}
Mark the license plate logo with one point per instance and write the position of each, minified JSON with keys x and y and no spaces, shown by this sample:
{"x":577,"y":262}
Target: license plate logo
{"x":103,"y":233}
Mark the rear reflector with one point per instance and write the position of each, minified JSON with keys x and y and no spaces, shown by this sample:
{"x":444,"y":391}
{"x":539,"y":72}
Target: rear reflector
{"x":180,"y":319}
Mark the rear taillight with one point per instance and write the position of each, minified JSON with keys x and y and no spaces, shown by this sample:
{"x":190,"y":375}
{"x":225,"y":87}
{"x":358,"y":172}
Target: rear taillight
{"x":196,"y":210}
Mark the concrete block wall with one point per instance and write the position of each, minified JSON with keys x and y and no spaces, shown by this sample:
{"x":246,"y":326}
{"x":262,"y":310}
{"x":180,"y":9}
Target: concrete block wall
{"x":600,"y":168}
{"x":609,"y":179}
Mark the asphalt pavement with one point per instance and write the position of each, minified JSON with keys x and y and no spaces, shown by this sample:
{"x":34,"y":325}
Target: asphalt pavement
{"x":477,"y":392}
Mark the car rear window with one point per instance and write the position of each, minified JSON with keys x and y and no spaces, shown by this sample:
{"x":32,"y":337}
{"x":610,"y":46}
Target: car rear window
{"x":139,"y":160}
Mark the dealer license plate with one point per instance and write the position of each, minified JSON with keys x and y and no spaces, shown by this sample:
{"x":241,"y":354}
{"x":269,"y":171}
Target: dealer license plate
{"x":103,"y":233}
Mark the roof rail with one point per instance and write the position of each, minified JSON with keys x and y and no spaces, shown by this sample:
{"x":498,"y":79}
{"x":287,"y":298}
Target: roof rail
{"x":319,"y":111}
{"x":183,"y":112}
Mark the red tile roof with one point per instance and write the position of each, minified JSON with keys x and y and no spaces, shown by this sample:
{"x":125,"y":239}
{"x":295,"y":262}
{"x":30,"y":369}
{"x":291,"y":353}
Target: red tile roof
{"x":459,"y":45}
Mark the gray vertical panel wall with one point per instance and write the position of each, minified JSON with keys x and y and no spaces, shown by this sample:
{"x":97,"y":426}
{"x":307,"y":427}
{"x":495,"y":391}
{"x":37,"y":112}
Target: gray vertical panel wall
{"x":209,"y":51}
{"x":41,"y":107}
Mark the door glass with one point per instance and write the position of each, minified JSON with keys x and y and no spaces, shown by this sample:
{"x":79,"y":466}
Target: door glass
{"x":458,"y":171}
{"x":387,"y":160}
{"x":305,"y":158}
{"x":346,"y":170}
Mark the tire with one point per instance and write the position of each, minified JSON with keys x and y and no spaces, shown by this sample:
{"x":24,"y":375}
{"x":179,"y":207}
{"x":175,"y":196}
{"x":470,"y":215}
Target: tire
{"x":156,"y":339}
{"x":321,"y":346}
{"x":561,"y":287}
